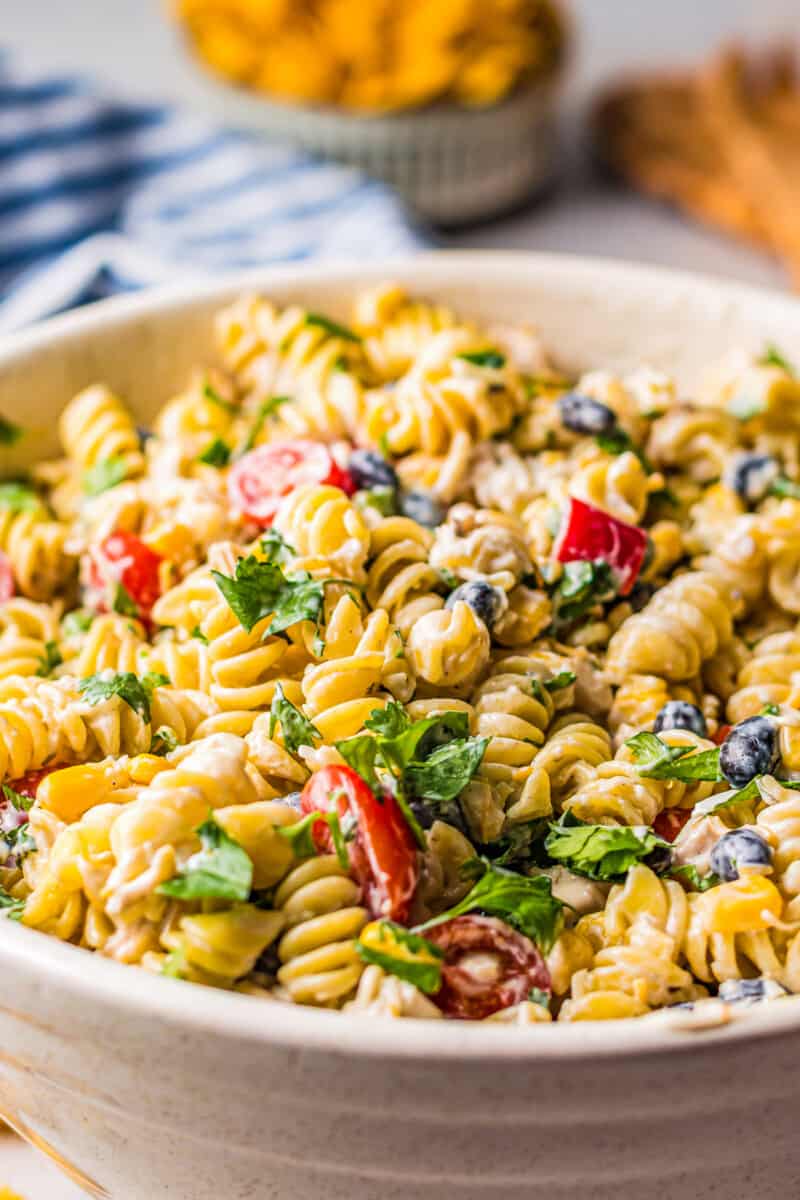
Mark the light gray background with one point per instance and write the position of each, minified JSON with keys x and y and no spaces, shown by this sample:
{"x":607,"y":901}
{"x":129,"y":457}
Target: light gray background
{"x":127,"y":43}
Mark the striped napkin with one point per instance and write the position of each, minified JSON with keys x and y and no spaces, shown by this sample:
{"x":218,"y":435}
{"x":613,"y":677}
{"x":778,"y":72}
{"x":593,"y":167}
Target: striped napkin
{"x":99,"y":195}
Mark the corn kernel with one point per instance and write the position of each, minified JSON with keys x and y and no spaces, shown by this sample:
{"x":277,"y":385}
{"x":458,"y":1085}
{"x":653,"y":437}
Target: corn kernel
{"x":72,"y":791}
{"x":746,"y":905}
{"x":171,"y":541}
{"x":144,"y":767}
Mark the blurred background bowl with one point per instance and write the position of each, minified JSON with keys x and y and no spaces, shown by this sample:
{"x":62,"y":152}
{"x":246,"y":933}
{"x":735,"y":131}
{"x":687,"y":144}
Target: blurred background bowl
{"x":452,"y":102}
{"x":452,"y":166}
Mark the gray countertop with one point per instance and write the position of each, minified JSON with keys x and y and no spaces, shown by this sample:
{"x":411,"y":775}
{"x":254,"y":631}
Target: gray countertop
{"x":128,"y":43}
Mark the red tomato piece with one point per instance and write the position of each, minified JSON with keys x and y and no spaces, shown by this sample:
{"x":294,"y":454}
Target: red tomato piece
{"x":123,"y":558}
{"x":590,"y":533}
{"x":383,"y":855}
{"x":7,"y":586}
{"x":259,"y":480}
{"x":28,"y":783}
{"x":670,"y":821}
{"x":487,"y":966}
{"x":721,"y":734}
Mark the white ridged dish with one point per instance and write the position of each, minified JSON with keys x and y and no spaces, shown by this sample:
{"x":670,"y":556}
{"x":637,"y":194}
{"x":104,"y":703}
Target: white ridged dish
{"x":151,"y":1089}
{"x":452,"y":165}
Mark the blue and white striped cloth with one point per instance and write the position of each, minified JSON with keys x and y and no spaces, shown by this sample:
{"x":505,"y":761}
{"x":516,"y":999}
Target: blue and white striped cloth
{"x":99,"y":195}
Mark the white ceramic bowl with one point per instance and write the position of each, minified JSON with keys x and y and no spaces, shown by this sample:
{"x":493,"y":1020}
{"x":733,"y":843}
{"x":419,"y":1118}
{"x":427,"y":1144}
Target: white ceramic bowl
{"x":151,"y":1089}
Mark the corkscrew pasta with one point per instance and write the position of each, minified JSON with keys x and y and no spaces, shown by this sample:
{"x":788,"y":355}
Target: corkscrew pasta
{"x":391,"y":669}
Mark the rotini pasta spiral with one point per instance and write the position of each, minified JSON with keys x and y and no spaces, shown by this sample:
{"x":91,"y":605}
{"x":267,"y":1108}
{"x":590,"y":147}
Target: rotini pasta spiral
{"x":319,"y":961}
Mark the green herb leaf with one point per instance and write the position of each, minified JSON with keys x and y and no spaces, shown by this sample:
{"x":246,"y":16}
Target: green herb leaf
{"x":18,"y":497}
{"x":582,"y":585}
{"x":198,"y":633}
{"x":383,"y":500}
{"x":122,"y":601}
{"x":266,"y":409}
{"x":537,"y":996}
{"x":135,"y":692}
{"x":484,"y":358}
{"x":360,"y":753}
{"x":656,"y":760}
{"x":12,"y":908}
{"x":772,"y":357}
{"x":523,"y":901}
{"x":164,"y":740}
{"x":260,"y":589}
{"x":175,"y":964}
{"x":603,"y":852}
{"x":518,"y":844}
{"x":104,"y":475}
{"x":276,"y":548}
{"x":444,"y":774}
{"x":210,"y":393}
{"x":331,"y":327}
{"x":16,"y":799}
{"x":729,"y":799}
{"x":403,"y":954}
{"x":689,"y":873}
{"x":296,"y":728}
{"x":561,"y":680}
{"x":9,"y":432}
{"x":300,"y":836}
{"x":619,"y":442}
{"x":50,"y":659}
{"x":222,"y":870}
{"x":770,"y":710}
{"x":785,"y":487}
{"x":216,"y":454}
{"x":76,"y":622}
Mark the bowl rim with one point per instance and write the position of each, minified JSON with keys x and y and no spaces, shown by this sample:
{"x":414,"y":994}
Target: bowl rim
{"x":237,"y":1016}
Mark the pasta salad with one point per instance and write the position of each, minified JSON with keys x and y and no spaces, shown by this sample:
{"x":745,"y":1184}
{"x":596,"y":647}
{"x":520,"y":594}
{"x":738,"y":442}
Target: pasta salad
{"x":396,"y":671}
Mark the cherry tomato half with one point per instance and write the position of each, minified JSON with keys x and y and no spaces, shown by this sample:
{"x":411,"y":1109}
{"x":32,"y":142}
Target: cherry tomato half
{"x":487,"y":966}
{"x":670,"y":821}
{"x":589,"y":534}
{"x":721,"y":734}
{"x":383,"y":855}
{"x":259,"y":480}
{"x":7,"y":586}
{"x":123,"y":558}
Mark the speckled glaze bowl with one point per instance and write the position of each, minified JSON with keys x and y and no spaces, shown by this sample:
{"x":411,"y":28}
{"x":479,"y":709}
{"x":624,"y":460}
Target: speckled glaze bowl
{"x":150,"y":1089}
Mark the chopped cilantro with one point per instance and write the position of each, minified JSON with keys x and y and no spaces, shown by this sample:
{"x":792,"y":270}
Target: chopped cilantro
{"x":76,"y":622}
{"x":772,"y":357}
{"x":300,"y":836}
{"x":603,"y":852}
{"x":104,"y":475}
{"x":689,"y":874}
{"x":137,"y":693}
{"x":18,"y":497}
{"x":9,"y":432}
{"x":221,"y":870}
{"x":164,"y":740}
{"x":50,"y":659}
{"x":216,"y":454}
{"x":656,"y":760}
{"x":297,"y":730}
{"x":260,"y":589}
{"x":523,"y":901}
{"x":403,"y":954}
{"x":210,"y":393}
{"x":122,"y":601}
{"x":331,"y":327}
{"x":265,"y":410}
{"x":484,"y":358}
{"x":785,"y":487}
